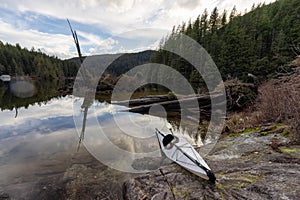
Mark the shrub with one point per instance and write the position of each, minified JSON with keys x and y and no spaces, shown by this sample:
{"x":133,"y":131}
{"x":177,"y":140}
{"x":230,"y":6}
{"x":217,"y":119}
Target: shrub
{"x":279,"y":101}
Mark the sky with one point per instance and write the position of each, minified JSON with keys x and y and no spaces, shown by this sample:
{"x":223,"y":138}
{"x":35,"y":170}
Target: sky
{"x":102,"y":26}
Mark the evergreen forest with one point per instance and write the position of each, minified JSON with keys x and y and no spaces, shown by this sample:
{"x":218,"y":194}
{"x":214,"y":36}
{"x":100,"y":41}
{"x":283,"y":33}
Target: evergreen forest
{"x":258,"y":43}
{"x":15,"y":60}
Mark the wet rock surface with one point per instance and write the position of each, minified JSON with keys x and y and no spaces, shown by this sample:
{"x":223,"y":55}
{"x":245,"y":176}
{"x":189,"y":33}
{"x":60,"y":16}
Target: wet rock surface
{"x":247,"y":166}
{"x":76,"y":176}
{"x":84,"y":178}
{"x":4,"y":196}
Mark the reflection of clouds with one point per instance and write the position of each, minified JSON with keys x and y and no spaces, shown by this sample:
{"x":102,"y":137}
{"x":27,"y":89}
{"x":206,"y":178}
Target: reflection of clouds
{"x":55,"y":115}
{"x":53,"y":108}
{"x":139,"y":126}
{"x":111,"y":116}
{"x":39,"y":131}
{"x":46,"y":134}
{"x":41,"y":126}
{"x":118,"y":138}
{"x":103,"y":108}
{"x":22,"y":158}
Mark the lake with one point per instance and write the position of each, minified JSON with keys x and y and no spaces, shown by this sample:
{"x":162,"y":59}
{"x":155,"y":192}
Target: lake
{"x":53,"y":143}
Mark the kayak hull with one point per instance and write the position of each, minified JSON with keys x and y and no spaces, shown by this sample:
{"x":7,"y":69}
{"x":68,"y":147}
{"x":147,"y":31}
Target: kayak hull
{"x":184,"y":155}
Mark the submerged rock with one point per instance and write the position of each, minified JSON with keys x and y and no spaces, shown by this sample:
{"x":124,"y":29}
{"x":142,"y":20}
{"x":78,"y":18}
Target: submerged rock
{"x":83,"y":178}
{"x":4,"y":196}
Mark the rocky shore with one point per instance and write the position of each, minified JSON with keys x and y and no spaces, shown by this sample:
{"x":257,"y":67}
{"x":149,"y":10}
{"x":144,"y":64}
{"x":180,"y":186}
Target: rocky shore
{"x":256,"y":164}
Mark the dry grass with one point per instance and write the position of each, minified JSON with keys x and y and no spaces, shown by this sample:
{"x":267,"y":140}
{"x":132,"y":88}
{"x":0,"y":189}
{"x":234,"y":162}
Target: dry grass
{"x":240,"y":121}
{"x":278,"y":102}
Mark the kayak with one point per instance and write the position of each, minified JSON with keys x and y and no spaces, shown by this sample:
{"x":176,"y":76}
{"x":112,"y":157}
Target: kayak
{"x":180,"y":151}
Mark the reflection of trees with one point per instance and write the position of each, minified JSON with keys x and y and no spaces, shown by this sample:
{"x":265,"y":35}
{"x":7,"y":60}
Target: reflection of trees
{"x":87,"y":102}
{"x":196,"y":131}
{"x":17,"y":112}
{"x":85,"y":86}
{"x":45,"y":90}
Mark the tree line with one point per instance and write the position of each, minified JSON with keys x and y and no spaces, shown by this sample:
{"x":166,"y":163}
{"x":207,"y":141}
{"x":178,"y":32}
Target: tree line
{"x":259,"y":42}
{"x":15,"y":60}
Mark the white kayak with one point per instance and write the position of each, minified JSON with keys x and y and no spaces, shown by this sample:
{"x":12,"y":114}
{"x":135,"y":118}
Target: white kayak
{"x":180,"y":151}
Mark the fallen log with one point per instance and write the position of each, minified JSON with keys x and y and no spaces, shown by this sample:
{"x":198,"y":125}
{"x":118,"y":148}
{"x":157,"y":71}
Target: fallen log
{"x":187,"y":105}
{"x":145,"y":100}
{"x":238,"y":96}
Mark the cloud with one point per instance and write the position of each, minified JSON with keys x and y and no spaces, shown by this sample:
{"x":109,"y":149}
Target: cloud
{"x":54,"y":44}
{"x":115,"y":16}
{"x":241,"y":6}
{"x":188,"y":4}
{"x":99,"y":23}
{"x":89,"y":38}
{"x":97,"y":42}
{"x":104,"y":46}
{"x":144,"y":33}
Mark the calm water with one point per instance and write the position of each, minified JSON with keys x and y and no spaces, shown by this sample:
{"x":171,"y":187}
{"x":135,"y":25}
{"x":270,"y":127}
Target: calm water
{"x":50,"y":138}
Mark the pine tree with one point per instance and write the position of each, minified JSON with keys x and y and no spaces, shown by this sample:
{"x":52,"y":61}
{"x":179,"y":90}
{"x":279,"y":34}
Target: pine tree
{"x":204,"y":27}
{"x":214,"y":21}
{"x":224,"y":18}
{"x":233,"y":13}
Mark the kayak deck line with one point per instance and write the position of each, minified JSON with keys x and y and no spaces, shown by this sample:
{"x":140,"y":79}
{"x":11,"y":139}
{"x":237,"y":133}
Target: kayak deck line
{"x":191,"y":162}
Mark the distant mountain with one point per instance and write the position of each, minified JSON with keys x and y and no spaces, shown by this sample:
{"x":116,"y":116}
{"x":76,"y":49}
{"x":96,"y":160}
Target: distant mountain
{"x":125,"y":62}
{"x":128,"y":61}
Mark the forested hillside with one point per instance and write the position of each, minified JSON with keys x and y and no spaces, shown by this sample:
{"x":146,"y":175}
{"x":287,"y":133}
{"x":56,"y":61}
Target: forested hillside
{"x":259,"y":42}
{"x":128,"y":61}
{"x":15,"y":60}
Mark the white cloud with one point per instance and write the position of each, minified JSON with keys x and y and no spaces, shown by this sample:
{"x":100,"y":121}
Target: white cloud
{"x":97,"y":42}
{"x":188,"y":4}
{"x":90,"y":38}
{"x":241,"y":6}
{"x":114,"y":16}
{"x":54,"y":44}
{"x":105,"y":45}
{"x":145,"y":33}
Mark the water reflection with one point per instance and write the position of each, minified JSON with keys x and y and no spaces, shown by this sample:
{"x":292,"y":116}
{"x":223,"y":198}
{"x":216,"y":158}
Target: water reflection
{"x":87,"y":102}
{"x":11,"y":98}
{"x":41,"y":145}
{"x":116,"y":138}
{"x":38,"y":143}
